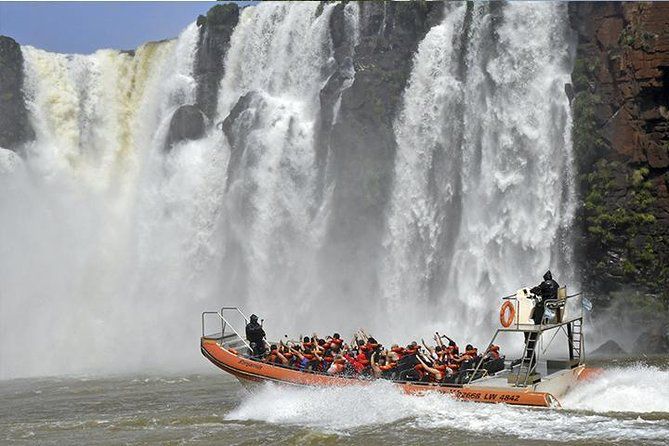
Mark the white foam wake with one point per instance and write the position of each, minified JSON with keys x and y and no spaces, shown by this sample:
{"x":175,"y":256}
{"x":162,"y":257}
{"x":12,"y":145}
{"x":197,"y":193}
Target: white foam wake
{"x":343,"y":410}
{"x":631,"y":389}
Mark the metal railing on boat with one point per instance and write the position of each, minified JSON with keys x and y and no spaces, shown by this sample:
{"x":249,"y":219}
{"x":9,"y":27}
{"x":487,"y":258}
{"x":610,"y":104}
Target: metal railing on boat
{"x":231,"y":340}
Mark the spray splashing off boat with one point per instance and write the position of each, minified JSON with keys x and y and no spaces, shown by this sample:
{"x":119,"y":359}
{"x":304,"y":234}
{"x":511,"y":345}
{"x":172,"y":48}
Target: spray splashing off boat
{"x":531,"y":380}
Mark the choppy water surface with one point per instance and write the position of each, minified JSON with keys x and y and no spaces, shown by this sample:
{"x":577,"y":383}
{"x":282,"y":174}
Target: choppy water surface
{"x":629,"y":404}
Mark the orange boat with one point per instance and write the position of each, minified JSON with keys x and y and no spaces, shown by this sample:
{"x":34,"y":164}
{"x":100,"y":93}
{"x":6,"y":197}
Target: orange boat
{"x":527,"y":381}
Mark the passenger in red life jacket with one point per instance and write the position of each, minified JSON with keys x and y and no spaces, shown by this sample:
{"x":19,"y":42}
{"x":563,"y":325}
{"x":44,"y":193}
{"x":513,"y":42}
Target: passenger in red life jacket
{"x":287,"y":354}
{"x":412,"y":349}
{"x":452,"y":348}
{"x":436,"y":372}
{"x":492,"y":353}
{"x":306,"y":343}
{"x":338,"y":365}
{"x":355,"y":362}
{"x":309,"y":360}
{"x":272,"y":356}
{"x":336,"y":339}
{"x":399,"y":351}
{"x":370,"y":347}
{"x":275,"y":356}
{"x":470,"y":353}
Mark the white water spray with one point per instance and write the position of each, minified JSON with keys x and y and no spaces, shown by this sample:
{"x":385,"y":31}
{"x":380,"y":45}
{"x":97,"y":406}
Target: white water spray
{"x":382,"y":404}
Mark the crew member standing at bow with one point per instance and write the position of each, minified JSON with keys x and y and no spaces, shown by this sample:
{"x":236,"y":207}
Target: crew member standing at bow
{"x":256,"y":336}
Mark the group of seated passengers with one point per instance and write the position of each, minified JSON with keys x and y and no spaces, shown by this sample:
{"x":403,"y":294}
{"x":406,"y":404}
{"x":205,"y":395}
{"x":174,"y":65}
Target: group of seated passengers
{"x":364,"y":356}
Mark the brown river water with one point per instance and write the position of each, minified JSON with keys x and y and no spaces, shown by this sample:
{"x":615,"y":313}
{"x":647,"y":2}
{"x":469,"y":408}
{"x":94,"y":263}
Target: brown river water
{"x":628,"y":405}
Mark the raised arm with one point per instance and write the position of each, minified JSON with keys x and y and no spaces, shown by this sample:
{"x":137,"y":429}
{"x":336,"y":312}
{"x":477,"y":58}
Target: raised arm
{"x":376,"y":370}
{"x":433,"y":371}
{"x":296,"y":352}
{"x":282,"y":358}
{"x":429,"y":349}
{"x":438,"y":339}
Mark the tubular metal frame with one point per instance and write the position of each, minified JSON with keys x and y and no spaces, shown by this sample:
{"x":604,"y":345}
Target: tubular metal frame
{"x":540,"y":329}
{"x":225,"y":323}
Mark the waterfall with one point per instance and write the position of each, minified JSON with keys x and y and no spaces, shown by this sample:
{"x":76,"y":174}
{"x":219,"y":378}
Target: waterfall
{"x":111,"y":244}
{"x":279,"y":60}
{"x":484,"y":186}
{"x":100,"y":227}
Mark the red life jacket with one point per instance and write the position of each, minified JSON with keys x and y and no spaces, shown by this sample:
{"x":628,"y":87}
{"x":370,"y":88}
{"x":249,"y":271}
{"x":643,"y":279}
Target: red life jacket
{"x":362,"y":359}
{"x":399,"y":351}
{"x":357,"y":365}
{"x":411,"y":351}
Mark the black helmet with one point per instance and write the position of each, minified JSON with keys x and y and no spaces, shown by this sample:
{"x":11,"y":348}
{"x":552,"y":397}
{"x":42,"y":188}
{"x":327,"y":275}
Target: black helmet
{"x":254,"y":318}
{"x":548,"y":275}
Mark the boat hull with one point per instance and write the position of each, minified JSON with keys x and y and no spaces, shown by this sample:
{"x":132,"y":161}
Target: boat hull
{"x":253,"y":372}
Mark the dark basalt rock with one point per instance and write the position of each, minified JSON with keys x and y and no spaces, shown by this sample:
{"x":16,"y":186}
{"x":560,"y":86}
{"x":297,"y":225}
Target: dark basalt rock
{"x":188,"y":123}
{"x":236,"y":129}
{"x":215,"y":31}
{"x":608,"y":349}
{"x":360,"y":145}
{"x":15,"y":127}
{"x":237,"y":126}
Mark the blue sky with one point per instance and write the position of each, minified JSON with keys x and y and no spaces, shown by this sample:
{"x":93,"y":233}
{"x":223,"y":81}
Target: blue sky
{"x":83,"y":27}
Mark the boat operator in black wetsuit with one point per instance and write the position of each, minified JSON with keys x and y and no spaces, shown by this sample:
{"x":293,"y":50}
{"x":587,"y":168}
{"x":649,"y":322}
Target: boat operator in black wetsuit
{"x":548,"y":289}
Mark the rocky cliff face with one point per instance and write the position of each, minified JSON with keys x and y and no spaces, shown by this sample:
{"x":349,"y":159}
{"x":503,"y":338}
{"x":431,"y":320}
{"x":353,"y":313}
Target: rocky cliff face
{"x":15,"y":128}
{"x":621,"y":139}
{"x":215,"y":31}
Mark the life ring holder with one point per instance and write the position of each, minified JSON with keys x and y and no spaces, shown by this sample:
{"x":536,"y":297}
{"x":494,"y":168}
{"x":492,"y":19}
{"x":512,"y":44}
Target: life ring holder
{"x":506,"y":317}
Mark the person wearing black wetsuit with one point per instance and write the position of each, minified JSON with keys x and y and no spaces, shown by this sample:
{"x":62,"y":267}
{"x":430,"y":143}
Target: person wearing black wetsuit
{"x":548,"y":289}
{"x":256,"y":336}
